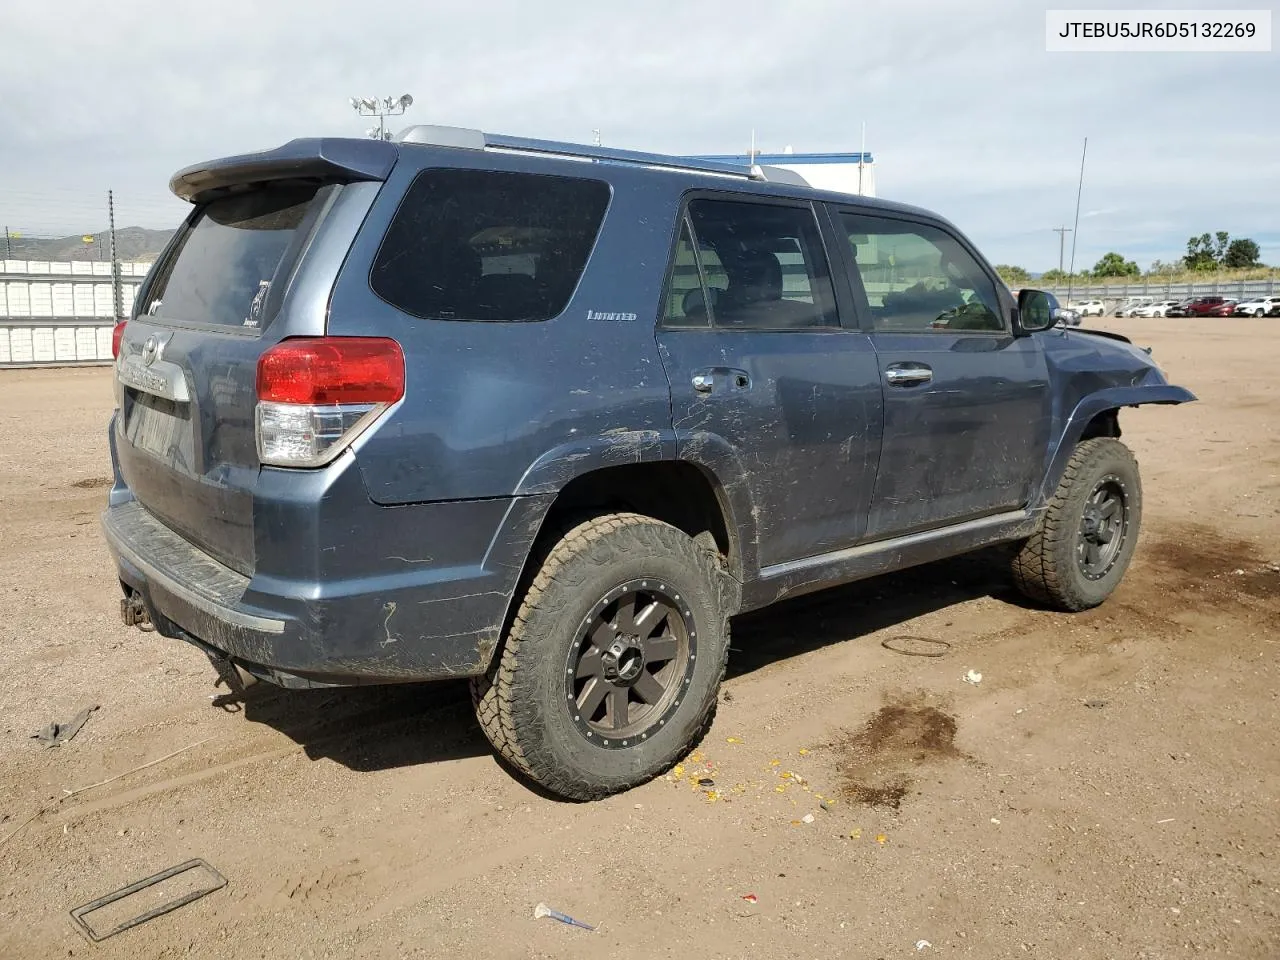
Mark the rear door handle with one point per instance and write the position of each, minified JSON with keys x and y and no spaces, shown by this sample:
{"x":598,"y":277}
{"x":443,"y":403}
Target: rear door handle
{"x":908,"y":374}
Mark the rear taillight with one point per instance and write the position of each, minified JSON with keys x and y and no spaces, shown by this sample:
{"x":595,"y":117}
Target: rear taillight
{"x":316,"y":395}
{"x":117,"y":335}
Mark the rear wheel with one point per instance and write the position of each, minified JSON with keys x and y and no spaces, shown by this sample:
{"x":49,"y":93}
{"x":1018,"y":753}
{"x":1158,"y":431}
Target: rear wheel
{"x":1089,"y":530}
{"x":610,"y":670}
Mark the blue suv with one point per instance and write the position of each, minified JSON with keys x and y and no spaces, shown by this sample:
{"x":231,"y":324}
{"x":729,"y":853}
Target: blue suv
{"x":547,"y":416}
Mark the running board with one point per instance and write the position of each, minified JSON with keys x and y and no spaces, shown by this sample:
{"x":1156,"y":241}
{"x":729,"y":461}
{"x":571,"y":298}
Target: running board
{"x":798,"y":577}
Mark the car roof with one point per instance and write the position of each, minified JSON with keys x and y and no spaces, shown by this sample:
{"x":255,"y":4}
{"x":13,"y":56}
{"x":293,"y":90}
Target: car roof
{"x":755,"y":178}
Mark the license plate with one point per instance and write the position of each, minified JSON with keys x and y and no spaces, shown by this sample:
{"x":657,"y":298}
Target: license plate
{"x":159,"y":427}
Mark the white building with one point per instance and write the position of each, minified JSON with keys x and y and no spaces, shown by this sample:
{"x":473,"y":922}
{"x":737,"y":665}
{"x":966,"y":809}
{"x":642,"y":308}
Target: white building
{"x":843,"y":172}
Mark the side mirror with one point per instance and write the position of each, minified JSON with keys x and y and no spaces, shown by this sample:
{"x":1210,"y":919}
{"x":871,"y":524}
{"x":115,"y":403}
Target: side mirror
{"x":1036,"y":311}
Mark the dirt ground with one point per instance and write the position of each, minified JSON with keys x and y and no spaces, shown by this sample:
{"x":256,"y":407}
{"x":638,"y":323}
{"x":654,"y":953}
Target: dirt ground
{"x":1109,"y":789}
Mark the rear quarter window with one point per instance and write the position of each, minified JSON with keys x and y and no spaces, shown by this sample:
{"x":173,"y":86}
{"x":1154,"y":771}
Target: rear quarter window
{"x":488,"y":245}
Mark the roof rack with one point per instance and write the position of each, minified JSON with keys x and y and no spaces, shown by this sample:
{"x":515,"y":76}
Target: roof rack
{"x":471,"y":139}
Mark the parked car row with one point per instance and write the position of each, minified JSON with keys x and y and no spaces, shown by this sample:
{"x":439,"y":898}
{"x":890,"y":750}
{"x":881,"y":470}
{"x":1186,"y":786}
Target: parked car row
{"x":1202,"y":306}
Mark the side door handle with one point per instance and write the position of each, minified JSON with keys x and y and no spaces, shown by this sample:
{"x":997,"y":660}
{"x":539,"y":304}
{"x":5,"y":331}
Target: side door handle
{"x":908,"y":374}
{"x":704,"y":381}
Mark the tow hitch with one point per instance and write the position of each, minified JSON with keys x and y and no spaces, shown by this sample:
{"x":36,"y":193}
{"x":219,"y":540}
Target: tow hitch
{"x":134,"y":612}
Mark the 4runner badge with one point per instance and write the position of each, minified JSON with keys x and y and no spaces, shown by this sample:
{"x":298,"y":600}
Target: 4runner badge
{"x":598,"y":315}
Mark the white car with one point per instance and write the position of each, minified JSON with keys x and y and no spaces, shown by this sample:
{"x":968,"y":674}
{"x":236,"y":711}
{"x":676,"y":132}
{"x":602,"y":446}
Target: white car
{"x":1131,"y":306}
{"x":1256,"y":307}
{"x":1088,"y":308}
{"x":1159,"y":309}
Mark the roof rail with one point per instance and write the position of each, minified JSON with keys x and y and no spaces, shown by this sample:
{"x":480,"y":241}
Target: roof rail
{"x":472,"y":139}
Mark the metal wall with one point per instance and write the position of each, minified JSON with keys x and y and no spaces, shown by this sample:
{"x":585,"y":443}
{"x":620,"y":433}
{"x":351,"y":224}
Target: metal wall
{"x":56,"y":313}
{"x":1165,"y":291}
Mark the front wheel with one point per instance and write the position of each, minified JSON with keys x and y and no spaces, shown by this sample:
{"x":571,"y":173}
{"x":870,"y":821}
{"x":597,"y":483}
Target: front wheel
{"x":1089,"y":530}
{"x":610,"y":670}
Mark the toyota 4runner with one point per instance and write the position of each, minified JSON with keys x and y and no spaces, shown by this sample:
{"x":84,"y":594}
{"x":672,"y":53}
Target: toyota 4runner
{"x":547,"y":416}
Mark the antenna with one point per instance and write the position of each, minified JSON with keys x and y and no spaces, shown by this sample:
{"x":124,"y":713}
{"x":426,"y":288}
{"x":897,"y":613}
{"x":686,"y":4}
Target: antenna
{"x":381,"y":108}
{"x":1075,"y":233}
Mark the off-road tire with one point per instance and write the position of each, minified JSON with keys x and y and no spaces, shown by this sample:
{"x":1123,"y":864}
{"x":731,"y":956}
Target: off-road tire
{"x":520,"y":702}
{"x":1047,"y":568}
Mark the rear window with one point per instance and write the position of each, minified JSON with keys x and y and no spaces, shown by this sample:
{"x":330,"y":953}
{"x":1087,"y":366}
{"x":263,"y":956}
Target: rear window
{"x":227,"y":258}
{"x":488,"y":245}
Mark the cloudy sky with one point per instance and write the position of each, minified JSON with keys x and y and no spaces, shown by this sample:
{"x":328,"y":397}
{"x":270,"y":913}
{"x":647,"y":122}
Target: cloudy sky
{"x":965,"y":111}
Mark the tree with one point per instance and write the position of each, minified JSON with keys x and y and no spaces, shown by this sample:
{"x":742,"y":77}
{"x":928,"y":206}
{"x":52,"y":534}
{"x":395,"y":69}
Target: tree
{"x":1210,"y":253}
{"x":1241,"y":253}
{"x":1054,"y":276}
{"x":1014,"y":276}
{"x":1114,"y":265}
{"x":1160,"y":268}
{"x":1200,"y":253}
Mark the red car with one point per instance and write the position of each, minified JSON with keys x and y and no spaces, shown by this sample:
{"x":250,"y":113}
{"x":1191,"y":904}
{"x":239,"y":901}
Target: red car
{"x":1201,"y":306}
{"x":1225,"y":309}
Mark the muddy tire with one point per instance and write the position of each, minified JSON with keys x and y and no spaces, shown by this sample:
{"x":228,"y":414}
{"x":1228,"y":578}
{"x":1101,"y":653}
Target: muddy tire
{"x":1087,"y":536}
{"x":610,"y":670}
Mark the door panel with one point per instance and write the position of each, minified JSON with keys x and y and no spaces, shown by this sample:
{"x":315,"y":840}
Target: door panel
{"x":968,"y":442}
{"x":768,"y":391}
{"x":966,"y":404}
{"x":803,"y":432}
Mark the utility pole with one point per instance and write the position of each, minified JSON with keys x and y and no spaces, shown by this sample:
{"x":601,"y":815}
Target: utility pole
{"x":595,"y":137}
{"x":117,"y":299}
{"x":862,"y":154}
{"x":1062,"y":244}
{"x":8,"y":247}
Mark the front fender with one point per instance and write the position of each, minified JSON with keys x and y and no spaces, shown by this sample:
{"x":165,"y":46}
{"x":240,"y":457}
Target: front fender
{"x":1110,"y":398}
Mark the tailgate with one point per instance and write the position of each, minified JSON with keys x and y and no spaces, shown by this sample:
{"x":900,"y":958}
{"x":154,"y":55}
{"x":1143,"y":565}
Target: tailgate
{"x":187,"y":365}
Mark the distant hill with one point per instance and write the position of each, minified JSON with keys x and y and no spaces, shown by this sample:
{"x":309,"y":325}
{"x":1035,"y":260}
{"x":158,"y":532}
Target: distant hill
{"x":136,"y":244}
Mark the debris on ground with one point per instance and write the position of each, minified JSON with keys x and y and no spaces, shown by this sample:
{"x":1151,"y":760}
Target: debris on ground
{"x":881,"y":839}
{"x":59,"y":733}
{"x":974,"y":677}
{"x":542,"y":910}
{"x":750,"y":898}
{"x":215,"y":881}
{"x":807,"y":818}
{"x":921,"y":944}
{"x":1095,"y":704}
{"x":916,"y":646}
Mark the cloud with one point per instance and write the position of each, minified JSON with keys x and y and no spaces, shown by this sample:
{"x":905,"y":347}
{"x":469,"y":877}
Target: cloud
{"x":967,"y":115}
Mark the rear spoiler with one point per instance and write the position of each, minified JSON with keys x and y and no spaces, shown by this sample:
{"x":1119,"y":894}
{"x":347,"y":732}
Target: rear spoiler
{"x":333,"y":159}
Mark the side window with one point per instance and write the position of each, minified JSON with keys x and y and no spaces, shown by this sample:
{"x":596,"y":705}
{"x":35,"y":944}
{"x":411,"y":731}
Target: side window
{"x":685,"y":304}
{"x":488,"y":245}
{"x":763,"y":267}
{"x":919,"y":279}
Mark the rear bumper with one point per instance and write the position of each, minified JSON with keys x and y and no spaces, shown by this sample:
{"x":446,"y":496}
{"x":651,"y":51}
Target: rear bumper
{"x":368,"y":626}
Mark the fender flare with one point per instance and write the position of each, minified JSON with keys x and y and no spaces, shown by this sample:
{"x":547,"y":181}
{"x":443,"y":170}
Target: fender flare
{"x":1100,"y":401}
{"x":709,"y":452}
